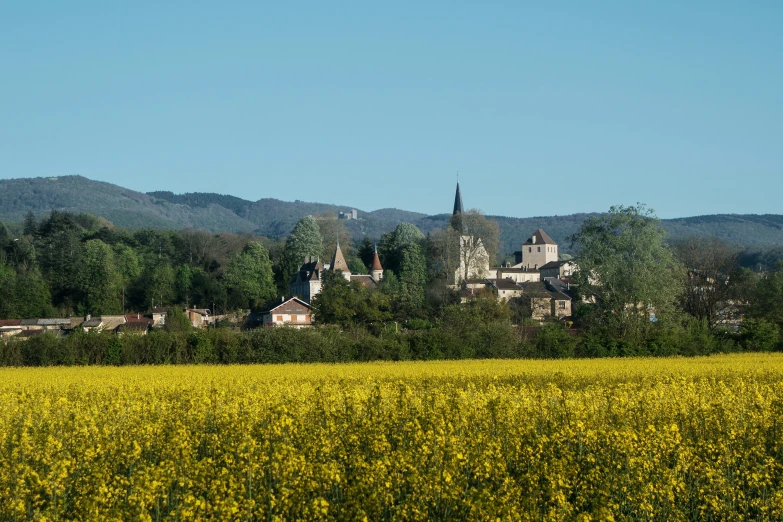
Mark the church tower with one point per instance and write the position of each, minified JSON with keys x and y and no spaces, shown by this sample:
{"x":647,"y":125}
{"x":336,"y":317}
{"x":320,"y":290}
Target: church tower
{"x":376,"y":272}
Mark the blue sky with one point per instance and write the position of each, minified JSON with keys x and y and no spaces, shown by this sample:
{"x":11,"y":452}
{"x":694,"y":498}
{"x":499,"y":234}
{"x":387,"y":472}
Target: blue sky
{"x":545,"y":108}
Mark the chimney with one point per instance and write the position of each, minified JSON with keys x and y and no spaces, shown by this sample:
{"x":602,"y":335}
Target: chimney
{"x":87,"y":317}
{"x":282,"y":299}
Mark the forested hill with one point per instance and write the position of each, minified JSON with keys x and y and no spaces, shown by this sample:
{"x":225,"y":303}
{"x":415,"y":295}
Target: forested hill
{"x":275,"y":218}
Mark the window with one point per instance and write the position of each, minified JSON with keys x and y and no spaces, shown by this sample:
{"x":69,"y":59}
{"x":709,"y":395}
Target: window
{"x":530,"y":249}
{"x":539,"y":249}
{"x":293,"y":318}
{"x":280,"y":318}
{"x":562,"y":304}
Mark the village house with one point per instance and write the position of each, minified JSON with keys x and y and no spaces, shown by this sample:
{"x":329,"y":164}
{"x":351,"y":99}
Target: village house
{"x":292,"y":312}
{"x":198,"y":317}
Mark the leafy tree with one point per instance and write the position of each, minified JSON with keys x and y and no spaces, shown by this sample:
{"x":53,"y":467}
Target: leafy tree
{"x":5,"y":236}
{"x":708,"y":285}
{"x":767,"y":298}
{"x":158,"y":283}
{"x":333,"y":230}
{"x":248,"y":278}
{"x":392,"y":243}
{"x":628,"y":270}
{"x":32,"y":295}
{"x":183,"y":283}
{"x":413,"y":278}
{"x":7,"y":291}
{"x":305,"y":241}
{"x":98,"y":281}
{"x":207,"y":290}
{"x":356,"y":266}
{"x":338,"y":301}
{"x":128,"y":269}
{"x":177,"y":321}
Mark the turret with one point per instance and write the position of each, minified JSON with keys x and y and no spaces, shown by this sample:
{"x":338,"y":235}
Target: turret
{"x":338,"y":262}
{"x":376,"y":272}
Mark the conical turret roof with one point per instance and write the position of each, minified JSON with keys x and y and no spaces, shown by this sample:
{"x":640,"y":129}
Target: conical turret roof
{"x":376,"y":262}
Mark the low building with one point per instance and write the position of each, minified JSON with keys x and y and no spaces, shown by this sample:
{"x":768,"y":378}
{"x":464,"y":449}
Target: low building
{"x":558,"y":269}
{"x":545,"y":302}
{"x":518,"y":275}
{"x":292,"y":312}
{"x":135,"y":324}
{"x":505,"y":288}
{"x":198,"y":317}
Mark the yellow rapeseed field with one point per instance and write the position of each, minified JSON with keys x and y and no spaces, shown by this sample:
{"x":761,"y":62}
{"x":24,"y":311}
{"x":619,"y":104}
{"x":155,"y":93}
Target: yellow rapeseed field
{"x":640,"y":439}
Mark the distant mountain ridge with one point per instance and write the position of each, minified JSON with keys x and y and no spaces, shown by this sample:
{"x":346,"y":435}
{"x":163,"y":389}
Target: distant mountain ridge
{"x":275,"y":218}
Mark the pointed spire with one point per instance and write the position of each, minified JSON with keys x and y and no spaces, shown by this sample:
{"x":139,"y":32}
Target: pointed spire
{"x":457,"y":202}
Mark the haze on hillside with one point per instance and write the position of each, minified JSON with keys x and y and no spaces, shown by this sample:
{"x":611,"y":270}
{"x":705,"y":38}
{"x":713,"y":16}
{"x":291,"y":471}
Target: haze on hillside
{"x":128,"y":208}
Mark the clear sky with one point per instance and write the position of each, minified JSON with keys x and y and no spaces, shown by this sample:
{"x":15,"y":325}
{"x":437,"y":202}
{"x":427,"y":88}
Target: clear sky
{"x":542,"y":108}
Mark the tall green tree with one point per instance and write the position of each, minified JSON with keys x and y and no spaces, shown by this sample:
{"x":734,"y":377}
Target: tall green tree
{"x":32,"y":297}
{"x":767,"y":300}
{"x":392,"y":243}
{"x":30,"y":227}
{"x":5,"y":236}
{"x":7,"y":291}
{"x":305,"y":240}
{"x":98,"y":280}
{"x":158,"y":283}
{"x":128,"y":269}
{"x":628,"y":270}
{"x":248,"y":277}
{"x":412,"y":280}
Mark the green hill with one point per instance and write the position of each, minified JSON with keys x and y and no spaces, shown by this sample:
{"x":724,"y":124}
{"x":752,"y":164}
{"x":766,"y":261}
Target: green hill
{"x":275,"y":218}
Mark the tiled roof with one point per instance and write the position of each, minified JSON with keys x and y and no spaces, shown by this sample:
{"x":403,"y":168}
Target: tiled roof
{"x":365,"y":280}
{"x":10,"y":322}
{"x":539,"y":237}
{"x":553,"y":264}
{"x":92,"y":323}
{"x":504,"y":284}
{"x":292,"y":305}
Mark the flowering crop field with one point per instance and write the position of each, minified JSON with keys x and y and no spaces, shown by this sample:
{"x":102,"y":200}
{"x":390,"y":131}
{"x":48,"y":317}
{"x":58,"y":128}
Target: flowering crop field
{"x":641,"y":439}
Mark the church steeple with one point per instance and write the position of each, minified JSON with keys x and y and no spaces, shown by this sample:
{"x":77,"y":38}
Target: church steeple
{"x":457,"y":202}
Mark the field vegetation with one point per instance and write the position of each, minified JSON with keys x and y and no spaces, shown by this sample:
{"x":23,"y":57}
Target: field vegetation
{"x":624,"y":439}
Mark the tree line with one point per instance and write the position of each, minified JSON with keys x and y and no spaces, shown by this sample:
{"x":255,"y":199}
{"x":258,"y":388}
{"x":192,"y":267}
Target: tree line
{"x":635,"y":292}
